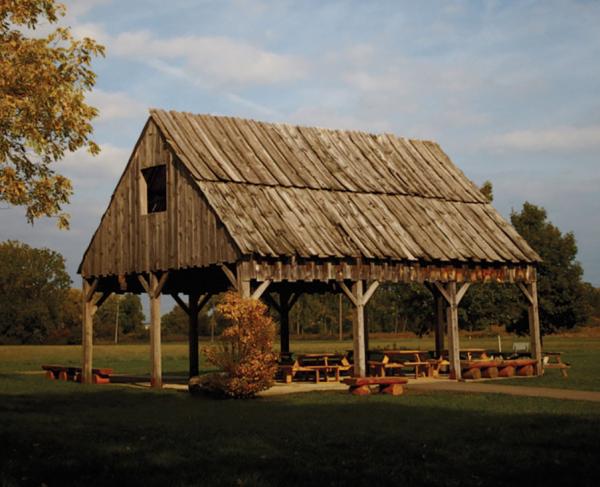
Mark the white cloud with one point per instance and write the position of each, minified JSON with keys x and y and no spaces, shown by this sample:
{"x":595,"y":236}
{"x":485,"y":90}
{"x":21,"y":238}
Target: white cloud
{"x":92,"y":30}
{"x":558,"y":138}
{"x":88,"y":171}
{"x":116,"y":105}
{"x":82,"y":7}
{"x":210,"y":60}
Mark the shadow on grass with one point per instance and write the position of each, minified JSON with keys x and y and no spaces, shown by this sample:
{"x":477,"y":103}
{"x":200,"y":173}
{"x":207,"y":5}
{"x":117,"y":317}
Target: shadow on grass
{"x":68,"y":434}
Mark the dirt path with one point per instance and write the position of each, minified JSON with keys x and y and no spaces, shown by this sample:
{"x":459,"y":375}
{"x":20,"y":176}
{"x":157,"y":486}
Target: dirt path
{"x":488,"y":388}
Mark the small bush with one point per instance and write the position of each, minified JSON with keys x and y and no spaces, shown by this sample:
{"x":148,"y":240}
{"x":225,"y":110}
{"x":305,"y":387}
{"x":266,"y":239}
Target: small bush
{"x":244,"y":353}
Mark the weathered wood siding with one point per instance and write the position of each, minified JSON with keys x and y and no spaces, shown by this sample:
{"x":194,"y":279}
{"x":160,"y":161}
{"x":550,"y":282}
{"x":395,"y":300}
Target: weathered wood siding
{"x":188,"y":234}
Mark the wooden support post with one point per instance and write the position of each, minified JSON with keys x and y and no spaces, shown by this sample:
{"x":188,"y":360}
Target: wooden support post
{"x":530,"y":292}
{"x":284,"y":320}
{"x":359,"y":299}
{"x":440,"y":323}
{"x":91,"y":303}
{"x":155,"y":335}
{"x":366,"y":311}
{"x":453,"y":337}
{"x":193,"y":355}
{"x":340,"y":319}
{"x":243,"y":282}
{"x":87,"y":332}
{"x":358,"y":331}
{"x":453,"y":298}
{"x":154,"y":288}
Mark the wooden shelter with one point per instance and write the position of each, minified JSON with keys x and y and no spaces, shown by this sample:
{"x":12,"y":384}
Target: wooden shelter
{"x":210,"y":203}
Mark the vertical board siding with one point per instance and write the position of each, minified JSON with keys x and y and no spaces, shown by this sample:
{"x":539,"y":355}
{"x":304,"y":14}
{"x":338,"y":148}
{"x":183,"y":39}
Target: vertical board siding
{"x":188,"y":234}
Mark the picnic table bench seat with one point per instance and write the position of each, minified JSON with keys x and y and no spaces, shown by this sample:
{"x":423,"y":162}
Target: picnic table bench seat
{"x":66,"y":372}
{"x":360,"y":386}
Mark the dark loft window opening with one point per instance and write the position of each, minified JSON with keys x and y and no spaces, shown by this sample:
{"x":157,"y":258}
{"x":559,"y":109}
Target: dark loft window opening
{"x":156,"y":188}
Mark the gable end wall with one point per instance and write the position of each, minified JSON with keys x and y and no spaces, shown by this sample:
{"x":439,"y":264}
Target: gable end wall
{"x":188,"y":234}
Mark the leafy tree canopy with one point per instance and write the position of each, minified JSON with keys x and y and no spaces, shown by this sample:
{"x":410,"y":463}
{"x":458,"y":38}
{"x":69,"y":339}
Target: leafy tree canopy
{"x":33,"y":287}
{"x":43,"y":113}
{"x":560,"y":288}
{"x":122,"y":311}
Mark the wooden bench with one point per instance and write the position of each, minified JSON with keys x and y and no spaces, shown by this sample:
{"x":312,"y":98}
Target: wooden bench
{"x":360,"y":386}
{"x":63,"y":372}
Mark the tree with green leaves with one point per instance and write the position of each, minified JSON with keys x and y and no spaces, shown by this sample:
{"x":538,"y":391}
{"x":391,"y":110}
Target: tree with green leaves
{"x":33,"y":288}
{"x":43,"y":113}
{"x":122,"y":312}
{"x":561,"y":291}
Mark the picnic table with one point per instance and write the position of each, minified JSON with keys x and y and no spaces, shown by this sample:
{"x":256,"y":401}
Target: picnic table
{"x":553,"y":360}
{"x":385,"y":361}
{"x":317,"y":364}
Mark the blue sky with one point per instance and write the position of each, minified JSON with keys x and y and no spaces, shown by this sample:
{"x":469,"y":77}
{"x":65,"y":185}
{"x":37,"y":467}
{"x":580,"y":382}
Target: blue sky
{"x":511,"y":90}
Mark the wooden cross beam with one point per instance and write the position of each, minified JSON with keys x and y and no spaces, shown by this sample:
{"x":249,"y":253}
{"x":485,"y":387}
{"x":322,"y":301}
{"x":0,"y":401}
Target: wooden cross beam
{"x":362,"y":300}
{"x":525,"y":292}
{"x":447,"y":296}
{"x":155,"y":289}
{"x":90,"y":289}
{"x":230,"y":276}
{"x":201,"y":302}
{"x":261,"y":289}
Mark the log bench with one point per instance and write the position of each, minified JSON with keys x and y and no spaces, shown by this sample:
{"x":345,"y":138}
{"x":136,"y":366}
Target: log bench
{"x":522,"y":367}
{"x":63,"y":372}
{"x":477,"y":369}
{"x":361,"y":386}
{"x":490,"y":369}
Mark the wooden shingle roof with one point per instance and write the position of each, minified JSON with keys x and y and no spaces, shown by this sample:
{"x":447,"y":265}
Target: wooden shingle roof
{"x":282,"y":190}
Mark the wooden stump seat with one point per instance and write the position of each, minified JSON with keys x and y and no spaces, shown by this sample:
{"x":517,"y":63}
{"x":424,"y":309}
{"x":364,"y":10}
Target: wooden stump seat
{"x":360,"y":386}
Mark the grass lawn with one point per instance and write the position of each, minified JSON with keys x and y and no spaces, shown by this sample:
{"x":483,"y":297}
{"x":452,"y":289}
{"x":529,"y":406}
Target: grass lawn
{"x":57,"y":433}
{"x":582,"y":353}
